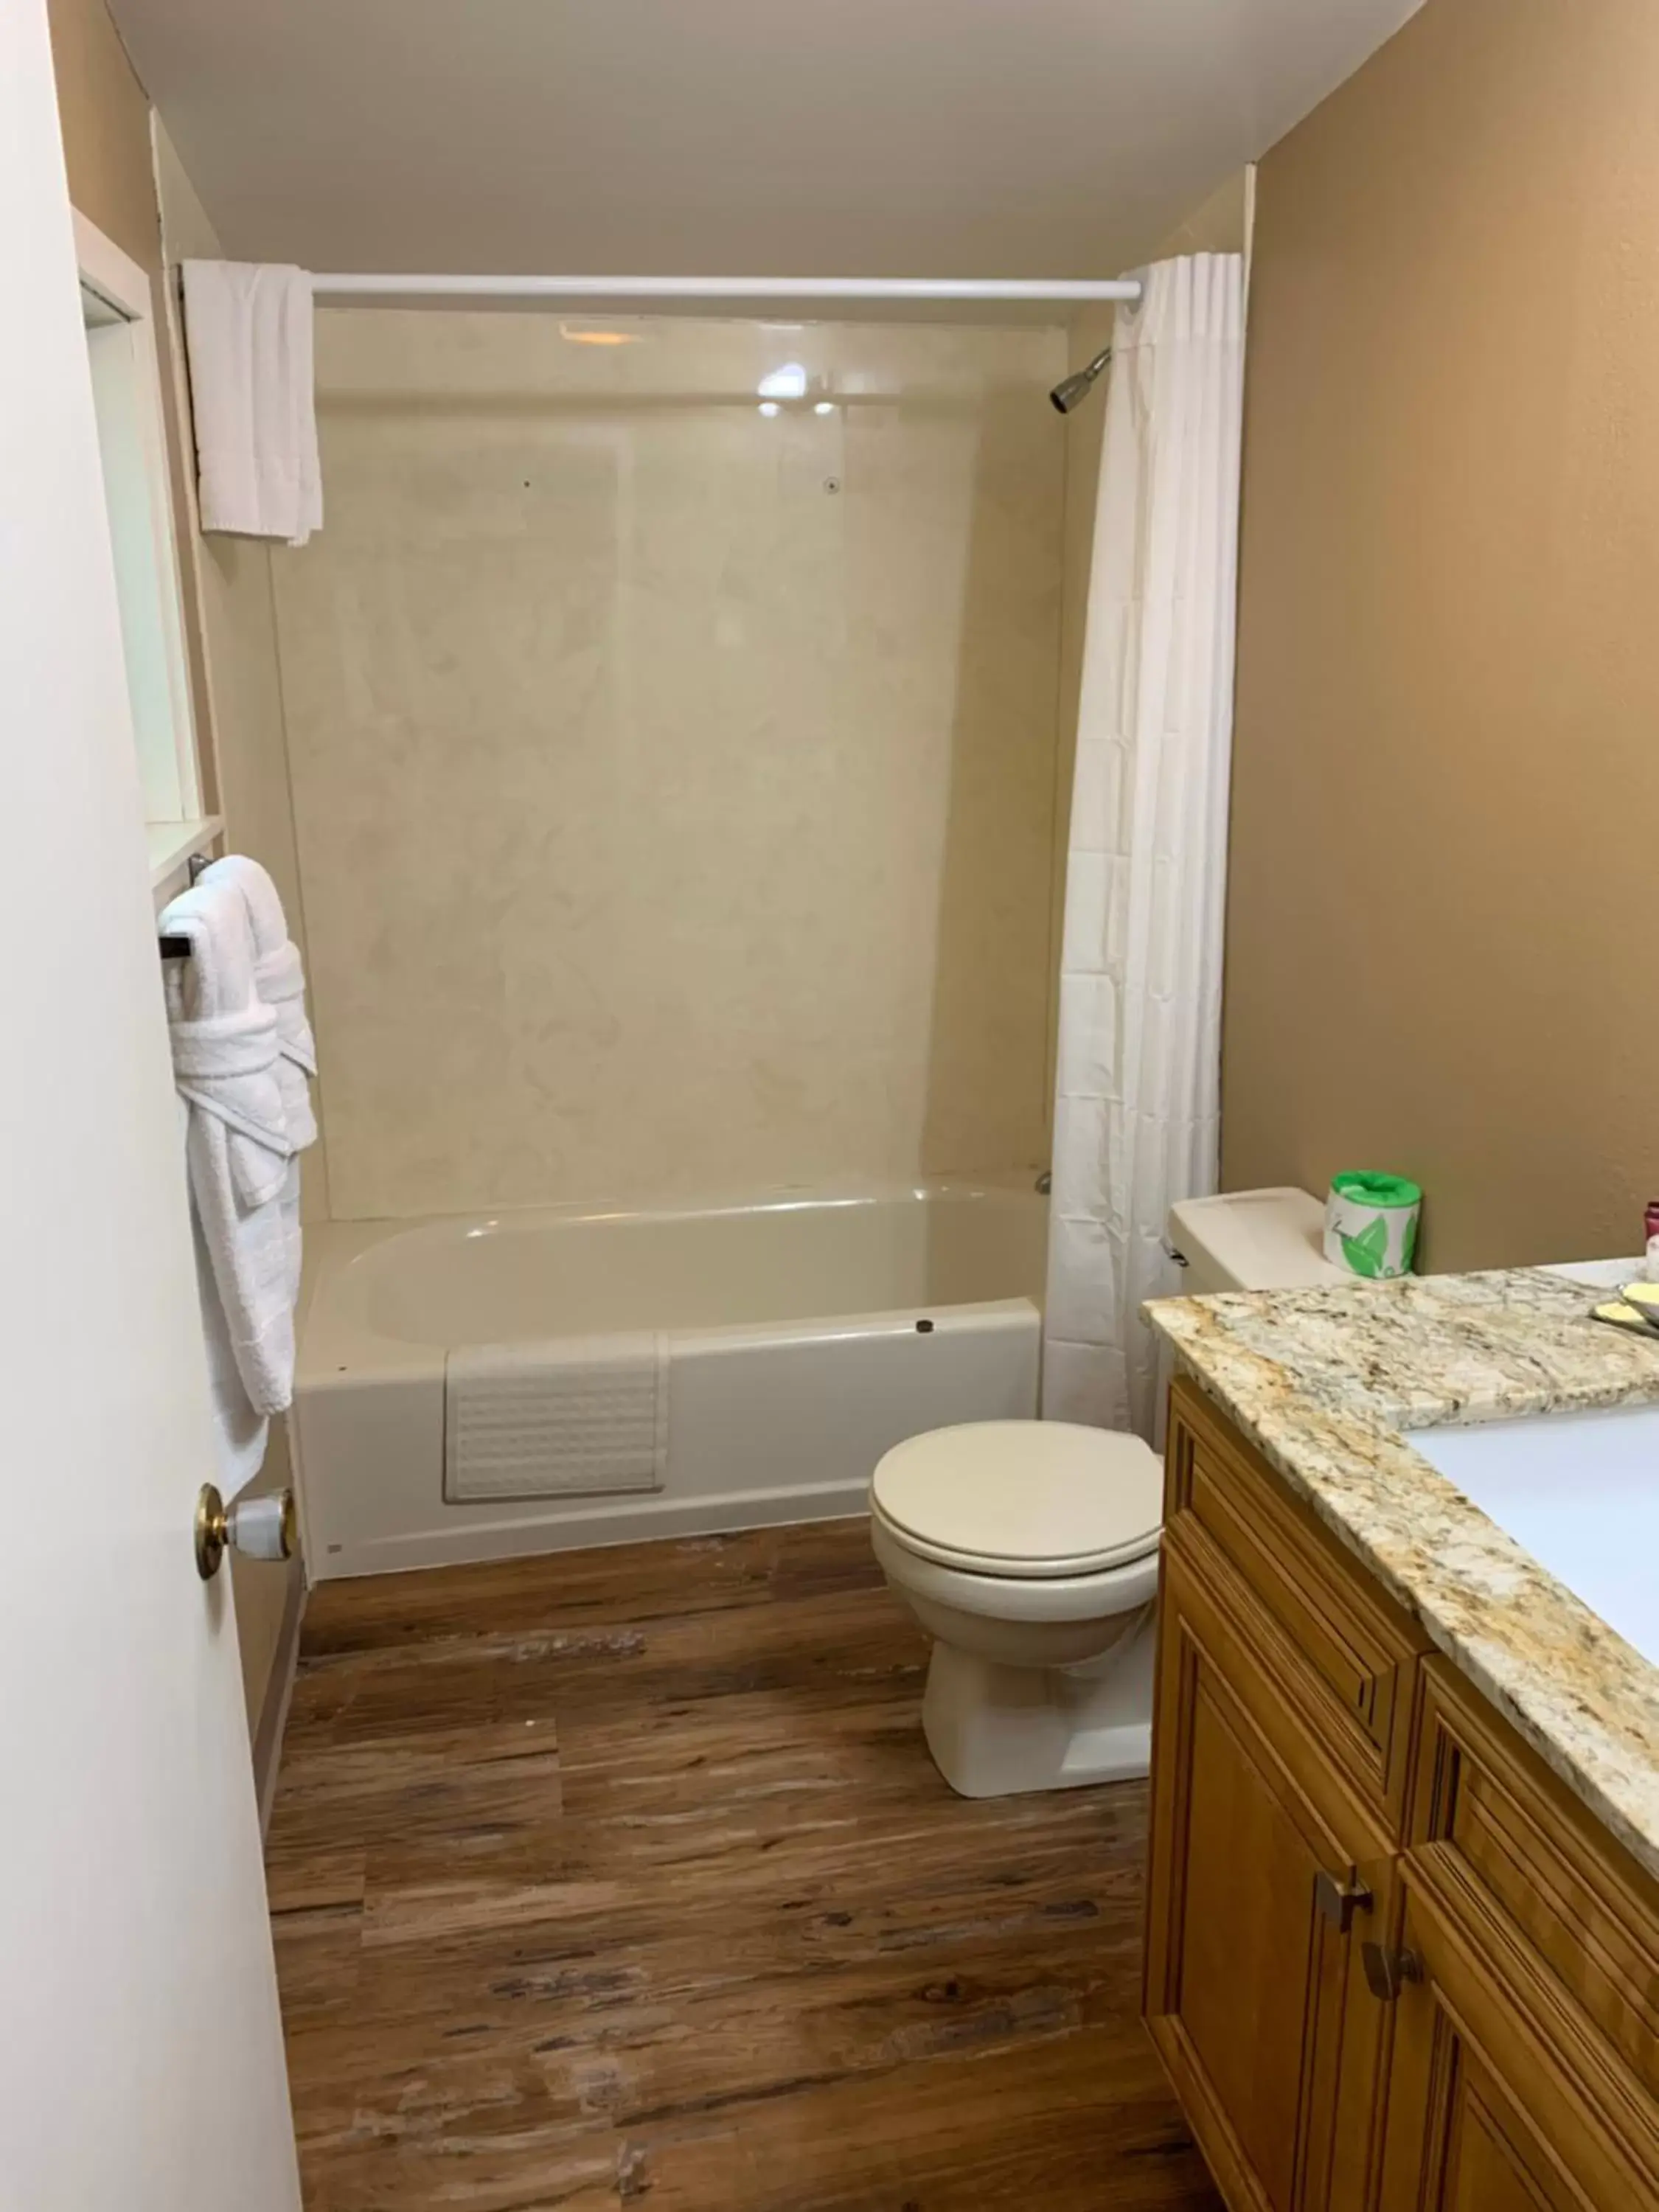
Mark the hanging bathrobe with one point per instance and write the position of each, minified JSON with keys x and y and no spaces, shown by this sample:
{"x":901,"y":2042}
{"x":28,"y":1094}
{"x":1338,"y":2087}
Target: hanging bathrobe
{"x":1137,"y":1091}
{"x":279,"y":984}
{"x":226,"y":1052}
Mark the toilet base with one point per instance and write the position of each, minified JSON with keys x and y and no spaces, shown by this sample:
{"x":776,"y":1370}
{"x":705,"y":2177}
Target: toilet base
{"x":998,"y":1731}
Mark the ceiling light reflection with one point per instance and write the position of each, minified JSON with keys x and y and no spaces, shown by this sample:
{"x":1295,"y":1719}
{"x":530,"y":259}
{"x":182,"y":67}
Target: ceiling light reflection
{"x":788,"y":382}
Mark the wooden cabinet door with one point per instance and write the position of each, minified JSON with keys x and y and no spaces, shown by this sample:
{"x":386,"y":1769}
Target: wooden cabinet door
{"x":1259,"y":1863}
{"x":1481,"y":2114}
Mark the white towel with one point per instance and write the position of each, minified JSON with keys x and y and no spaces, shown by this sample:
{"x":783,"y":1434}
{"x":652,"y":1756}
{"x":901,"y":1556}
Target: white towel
{"x":583,"y":1413}
{"x":248,"y":331}
{"x":240,"y":1435}
{"x":225,"y":1057}
{"x":280,"y":983}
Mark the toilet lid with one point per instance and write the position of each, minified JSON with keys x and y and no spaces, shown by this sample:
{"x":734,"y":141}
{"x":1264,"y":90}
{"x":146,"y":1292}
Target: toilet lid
{"x":1022,"y":1498}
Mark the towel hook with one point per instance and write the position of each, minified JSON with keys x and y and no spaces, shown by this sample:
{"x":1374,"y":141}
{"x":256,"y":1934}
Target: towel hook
{"x":177,"y":948}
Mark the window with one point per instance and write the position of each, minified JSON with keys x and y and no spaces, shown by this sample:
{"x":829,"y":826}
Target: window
{"x":117,"y":311}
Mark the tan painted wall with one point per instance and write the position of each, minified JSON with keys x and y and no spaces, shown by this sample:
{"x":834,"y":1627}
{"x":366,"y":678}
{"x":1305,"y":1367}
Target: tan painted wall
{"x":105,"y":118}
{"x":1447,"y":772}
{"x":667,"y":823}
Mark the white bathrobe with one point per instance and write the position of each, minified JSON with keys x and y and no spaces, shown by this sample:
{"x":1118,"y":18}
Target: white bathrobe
{"x":279,"y":981}
{"x":226,"y":1055}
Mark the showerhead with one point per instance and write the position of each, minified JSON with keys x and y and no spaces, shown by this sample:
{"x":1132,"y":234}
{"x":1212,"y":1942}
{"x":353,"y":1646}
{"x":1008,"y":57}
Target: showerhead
{"x":1070,"y":389}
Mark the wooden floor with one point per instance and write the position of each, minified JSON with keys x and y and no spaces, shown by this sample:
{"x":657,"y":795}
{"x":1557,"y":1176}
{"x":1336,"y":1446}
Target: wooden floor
{"x":625,"y":1874}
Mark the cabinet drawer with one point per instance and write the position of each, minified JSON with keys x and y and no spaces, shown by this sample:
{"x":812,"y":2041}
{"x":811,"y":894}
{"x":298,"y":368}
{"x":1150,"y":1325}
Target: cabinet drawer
{"x":1491,"y":1827}
{"x":1354,"y":1652}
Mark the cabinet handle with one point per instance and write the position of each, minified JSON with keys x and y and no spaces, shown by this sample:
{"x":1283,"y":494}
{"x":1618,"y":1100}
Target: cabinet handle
{"x":1388,"y":1971}
{"x":1340,"y":1900}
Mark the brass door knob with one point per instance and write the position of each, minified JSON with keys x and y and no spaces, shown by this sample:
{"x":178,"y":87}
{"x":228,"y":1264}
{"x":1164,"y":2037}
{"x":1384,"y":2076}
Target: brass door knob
{"x":259,"y":1529}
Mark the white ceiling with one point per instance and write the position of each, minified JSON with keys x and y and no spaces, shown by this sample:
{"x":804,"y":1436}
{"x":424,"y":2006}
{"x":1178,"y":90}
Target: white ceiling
{"x":866,"y":138}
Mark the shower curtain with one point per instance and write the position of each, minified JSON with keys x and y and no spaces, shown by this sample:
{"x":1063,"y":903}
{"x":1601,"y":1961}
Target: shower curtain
{"x":1137,"y":1091}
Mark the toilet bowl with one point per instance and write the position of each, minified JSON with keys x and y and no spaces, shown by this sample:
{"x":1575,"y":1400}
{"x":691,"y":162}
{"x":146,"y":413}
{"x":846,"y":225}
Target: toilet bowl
{"x":1027,"y":1549}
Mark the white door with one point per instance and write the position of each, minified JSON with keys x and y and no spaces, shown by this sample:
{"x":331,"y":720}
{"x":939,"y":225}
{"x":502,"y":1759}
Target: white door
{"x":140,"y":2056}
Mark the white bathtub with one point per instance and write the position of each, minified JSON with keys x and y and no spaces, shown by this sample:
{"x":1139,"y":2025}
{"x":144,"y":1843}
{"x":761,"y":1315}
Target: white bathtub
{"x":803,"y":1338}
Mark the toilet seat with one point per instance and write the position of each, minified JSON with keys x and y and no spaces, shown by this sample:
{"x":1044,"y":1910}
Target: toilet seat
{"x":1041,"y":1599}
{"x":1021,"y":1501}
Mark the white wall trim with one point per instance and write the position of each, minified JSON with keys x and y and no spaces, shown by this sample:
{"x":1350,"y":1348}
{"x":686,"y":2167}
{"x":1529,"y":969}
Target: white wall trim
{"x":117,"y":279}
{"x":173,"y":309}
{"x":111,"y":273}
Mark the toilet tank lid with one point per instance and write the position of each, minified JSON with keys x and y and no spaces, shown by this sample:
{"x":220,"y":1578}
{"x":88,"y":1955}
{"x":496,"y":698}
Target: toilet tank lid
{"x":1255,"y":1240}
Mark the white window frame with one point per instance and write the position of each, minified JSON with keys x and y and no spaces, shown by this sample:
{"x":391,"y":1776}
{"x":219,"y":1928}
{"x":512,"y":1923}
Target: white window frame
{"x":126,"y":382}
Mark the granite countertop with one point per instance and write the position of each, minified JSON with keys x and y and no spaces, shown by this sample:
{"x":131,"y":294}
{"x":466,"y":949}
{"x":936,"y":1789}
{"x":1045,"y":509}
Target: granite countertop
{"x":1327,"y":1383}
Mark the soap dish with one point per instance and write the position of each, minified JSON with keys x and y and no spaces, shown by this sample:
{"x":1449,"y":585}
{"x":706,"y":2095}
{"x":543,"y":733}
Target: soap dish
{"x":1636,"y":1309}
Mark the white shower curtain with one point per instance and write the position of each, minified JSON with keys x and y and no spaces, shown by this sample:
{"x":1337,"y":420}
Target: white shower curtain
{"x":1137,"y":1097}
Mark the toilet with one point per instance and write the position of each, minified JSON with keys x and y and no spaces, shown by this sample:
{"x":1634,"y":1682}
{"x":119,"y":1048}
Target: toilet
{"x":1027,"y":1549}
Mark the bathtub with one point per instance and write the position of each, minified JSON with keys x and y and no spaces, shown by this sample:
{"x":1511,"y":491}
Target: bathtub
{"x":803,"y":1337}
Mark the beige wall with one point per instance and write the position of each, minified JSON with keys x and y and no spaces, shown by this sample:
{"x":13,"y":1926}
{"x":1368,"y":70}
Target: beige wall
{"x":668,"y":823}
{"x":1447,"y":771}
{"x":105,"y":118}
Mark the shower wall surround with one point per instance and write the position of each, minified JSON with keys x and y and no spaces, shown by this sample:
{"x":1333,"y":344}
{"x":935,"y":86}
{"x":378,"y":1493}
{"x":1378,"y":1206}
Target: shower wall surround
{"x":673,"y":758}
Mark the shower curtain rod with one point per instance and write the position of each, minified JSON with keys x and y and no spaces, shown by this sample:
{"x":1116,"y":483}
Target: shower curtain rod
{"x":335,"y":283}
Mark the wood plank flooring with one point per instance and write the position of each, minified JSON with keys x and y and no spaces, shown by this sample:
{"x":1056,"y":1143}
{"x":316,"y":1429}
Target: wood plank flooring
{"x":626,"y":1874}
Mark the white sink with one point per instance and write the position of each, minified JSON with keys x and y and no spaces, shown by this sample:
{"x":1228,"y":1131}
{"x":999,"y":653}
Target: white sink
{"x":1580,"y":1492}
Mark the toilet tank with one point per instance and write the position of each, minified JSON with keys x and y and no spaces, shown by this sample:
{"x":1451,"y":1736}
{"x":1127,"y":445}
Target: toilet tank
{"x":1251,"y":1240}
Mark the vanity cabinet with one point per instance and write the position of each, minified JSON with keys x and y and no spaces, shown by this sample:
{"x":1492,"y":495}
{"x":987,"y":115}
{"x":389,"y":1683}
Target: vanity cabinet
{"x":1392,"y":1964}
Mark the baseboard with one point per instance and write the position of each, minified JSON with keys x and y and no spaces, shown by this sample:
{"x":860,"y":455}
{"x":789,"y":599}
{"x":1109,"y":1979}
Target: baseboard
{"x":279,"y":1690}
{"x":638,"y":1518}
